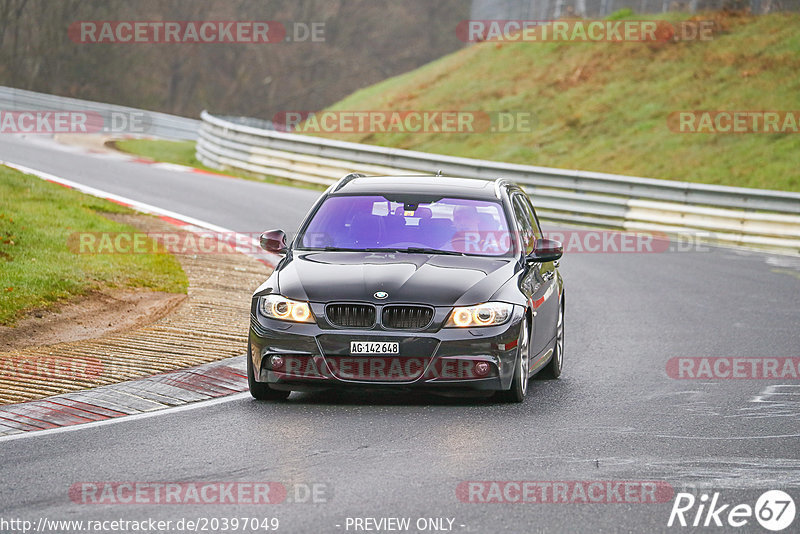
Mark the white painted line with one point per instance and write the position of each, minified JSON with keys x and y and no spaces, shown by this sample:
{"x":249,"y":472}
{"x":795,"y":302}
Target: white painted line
{"x":172,"y":167}
{"x":126,"y":418}
{"x":272,"y":259}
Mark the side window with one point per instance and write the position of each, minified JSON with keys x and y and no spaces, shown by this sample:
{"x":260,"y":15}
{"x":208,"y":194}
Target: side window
{"x":537,"y":229}
{"x":524,"y":223}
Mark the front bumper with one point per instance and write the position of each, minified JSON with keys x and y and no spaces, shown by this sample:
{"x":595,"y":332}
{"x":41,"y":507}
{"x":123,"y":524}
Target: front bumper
{"x":313,"y":358}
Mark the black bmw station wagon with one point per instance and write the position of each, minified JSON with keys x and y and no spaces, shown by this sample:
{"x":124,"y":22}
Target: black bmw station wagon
{"x":402,"y":282}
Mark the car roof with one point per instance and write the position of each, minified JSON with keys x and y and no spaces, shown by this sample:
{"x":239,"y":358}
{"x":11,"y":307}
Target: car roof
{"x":434,"y":185}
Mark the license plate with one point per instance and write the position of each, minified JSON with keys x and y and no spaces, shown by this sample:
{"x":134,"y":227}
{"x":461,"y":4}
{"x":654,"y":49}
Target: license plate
{"x":374,"y":347}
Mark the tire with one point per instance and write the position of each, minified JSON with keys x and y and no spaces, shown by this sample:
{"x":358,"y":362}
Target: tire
{"x":260,"y":390}
{"x":553,"y":368}
{"x":519,"y":383}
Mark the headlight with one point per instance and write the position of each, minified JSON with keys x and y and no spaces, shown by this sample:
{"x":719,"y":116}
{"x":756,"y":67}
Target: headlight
{"x":283,"y":309}
{"x":488,"y":314}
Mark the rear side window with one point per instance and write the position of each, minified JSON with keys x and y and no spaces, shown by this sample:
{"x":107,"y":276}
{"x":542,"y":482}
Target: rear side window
{"x":537,"y":228}
{"x":524,"y":218}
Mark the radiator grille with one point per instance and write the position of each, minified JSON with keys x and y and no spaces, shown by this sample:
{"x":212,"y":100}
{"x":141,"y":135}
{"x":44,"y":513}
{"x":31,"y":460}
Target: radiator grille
{"x":351,"y":315}
{"x":406,"y":317}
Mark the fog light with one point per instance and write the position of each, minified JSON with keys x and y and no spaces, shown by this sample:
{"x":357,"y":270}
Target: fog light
{"x":276,"y":362}
{"x":481,"y":368}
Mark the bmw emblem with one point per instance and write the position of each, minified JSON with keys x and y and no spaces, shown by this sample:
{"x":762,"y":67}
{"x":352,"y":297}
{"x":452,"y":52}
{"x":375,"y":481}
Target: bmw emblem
{"x":381,"y":295}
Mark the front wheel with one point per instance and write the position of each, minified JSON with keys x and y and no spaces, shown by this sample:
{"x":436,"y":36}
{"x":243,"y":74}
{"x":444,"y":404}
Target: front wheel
{"x":519,"y":384}
{"x":260,"y":390}
{"x":553,"y":369}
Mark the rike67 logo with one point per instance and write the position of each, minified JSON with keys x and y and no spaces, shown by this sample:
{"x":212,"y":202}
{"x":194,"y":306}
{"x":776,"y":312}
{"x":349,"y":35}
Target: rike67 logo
{"x":774,"y":510}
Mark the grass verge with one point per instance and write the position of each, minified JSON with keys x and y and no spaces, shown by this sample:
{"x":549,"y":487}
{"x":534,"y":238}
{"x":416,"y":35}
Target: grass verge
{"x":37,"y":268}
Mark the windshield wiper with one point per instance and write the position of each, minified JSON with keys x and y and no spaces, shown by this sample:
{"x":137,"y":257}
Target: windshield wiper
{"x":344,"y":249}
{"x":409,"y":250}
{"x":423,"y":250}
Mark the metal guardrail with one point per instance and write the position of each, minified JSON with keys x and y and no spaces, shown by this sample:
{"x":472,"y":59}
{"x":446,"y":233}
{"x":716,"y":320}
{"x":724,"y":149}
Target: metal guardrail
{"x":117,"y":120}
{"x":730,"y":214}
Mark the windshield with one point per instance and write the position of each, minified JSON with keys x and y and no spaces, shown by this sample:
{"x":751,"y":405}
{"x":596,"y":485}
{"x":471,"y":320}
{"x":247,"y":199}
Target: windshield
{"x":443,"y":225}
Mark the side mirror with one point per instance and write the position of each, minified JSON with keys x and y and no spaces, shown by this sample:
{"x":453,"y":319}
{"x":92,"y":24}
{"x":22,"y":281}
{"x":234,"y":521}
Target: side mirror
{"x":546,"y":250}
{"x":274,"y":241}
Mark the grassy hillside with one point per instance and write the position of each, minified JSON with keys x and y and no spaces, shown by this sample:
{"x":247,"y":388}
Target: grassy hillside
{"x":604,"y":106}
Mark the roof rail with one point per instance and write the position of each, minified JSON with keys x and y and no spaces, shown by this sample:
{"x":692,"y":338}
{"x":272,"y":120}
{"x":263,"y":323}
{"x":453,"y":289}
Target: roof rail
{"x":347,"y":178}
{"x":498,"y":183}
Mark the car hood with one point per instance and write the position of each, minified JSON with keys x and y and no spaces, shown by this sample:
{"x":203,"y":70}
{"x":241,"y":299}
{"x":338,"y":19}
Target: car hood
{"x":434,"y":279}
